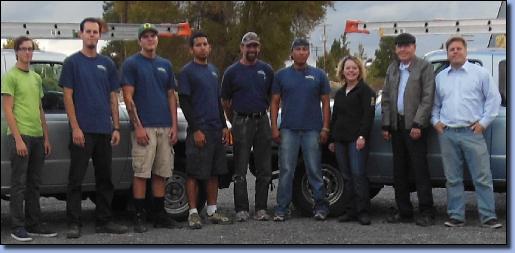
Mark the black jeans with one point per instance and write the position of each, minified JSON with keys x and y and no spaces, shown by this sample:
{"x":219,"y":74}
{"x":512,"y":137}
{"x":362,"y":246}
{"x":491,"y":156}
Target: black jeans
{"x":97,"y":147}
{"x":25,"y":181}
{"x":410,"y":159}
{"x":252,"y":133}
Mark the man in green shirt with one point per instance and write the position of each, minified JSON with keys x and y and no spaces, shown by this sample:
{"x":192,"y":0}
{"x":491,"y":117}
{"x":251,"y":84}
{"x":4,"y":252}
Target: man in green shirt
{"x":28,"y":135}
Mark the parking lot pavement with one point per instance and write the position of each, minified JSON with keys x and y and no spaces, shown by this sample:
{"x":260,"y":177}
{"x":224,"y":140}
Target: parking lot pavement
{"x":297,"y":230}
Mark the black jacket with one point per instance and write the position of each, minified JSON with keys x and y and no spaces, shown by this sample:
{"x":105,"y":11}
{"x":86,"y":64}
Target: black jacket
{"x":353,"y":113}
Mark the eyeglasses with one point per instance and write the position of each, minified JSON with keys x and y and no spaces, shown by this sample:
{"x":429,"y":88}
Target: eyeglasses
{"x":26,"y":49}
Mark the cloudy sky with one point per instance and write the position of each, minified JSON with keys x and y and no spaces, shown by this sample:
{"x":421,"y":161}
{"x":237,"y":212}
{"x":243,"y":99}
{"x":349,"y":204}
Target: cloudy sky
{"x":74,"y":12}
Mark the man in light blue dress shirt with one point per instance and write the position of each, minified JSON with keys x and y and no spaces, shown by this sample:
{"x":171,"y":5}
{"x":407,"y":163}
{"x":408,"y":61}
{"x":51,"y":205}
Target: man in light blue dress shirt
{"x":466,"y":102}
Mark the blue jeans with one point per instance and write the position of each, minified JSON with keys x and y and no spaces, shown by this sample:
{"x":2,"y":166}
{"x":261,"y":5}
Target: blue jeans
{"x":291,"y":141}
{"x":352,"y":164}
{"x":461,"y":145}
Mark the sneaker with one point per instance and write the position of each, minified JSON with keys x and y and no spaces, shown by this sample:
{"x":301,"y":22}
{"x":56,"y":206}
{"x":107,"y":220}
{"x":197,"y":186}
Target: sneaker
{"x":320,"y":215}
{"x":262,"y":215}
{"x":73,"y":231}
{"x":219,"y":218}
{"x":492,"y":223}
{"x":20,"y":234}
{"x":279,"y":217}
{"x":41,"y":230}
{"x":347,"y":217}
{"x":454,"y":223}
{"x":242,"y":216}
{"x":425,"y":220}
{"x":398,"y":218}
{"x":194,"y":221}
{"x":111,"y":228}
{"x":163,"y":220}
{"x":364,"y":219}
{"x":139,"y":223}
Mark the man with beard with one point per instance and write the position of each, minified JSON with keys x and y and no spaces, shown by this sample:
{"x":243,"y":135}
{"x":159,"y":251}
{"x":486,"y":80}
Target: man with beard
{"x":245,"y":91}
{"x":91,"y":89}
{"x":148,"y":83}
{"x":199,"y":95}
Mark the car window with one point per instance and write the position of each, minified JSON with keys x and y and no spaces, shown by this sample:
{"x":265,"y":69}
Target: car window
{"x":53,"y":99}
{"x":441,"y":65}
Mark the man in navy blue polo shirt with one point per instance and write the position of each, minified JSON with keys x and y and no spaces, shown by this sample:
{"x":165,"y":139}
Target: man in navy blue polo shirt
{"x":245,"y":96}
{"x":91,"y":87}
{"x":199,"y":95}
{"x":148,"y":90}
{"x":299,"y":89}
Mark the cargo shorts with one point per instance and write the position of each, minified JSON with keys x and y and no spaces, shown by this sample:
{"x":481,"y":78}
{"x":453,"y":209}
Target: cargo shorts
{"x":157,"y":157}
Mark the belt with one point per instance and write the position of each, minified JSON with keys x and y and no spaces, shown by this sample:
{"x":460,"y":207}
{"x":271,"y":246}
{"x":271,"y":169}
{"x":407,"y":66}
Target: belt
{"x":251,"y":114}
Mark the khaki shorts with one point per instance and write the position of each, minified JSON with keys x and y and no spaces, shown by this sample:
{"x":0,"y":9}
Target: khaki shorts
{"x":155,"y":158}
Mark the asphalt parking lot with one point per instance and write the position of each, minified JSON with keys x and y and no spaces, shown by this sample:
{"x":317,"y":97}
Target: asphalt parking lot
{"x":297,"y":230}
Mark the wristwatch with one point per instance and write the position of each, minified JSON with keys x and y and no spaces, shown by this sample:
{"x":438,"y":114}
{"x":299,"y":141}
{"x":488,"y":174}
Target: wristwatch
{"x":116,"y":129}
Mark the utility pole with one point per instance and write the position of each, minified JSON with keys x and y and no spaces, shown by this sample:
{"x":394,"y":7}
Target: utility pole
{"x":324,"y":40}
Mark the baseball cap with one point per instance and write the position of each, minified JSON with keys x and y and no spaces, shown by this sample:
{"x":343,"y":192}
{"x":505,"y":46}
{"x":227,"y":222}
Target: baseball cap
{"x":405,"y":39}
{"x":250,"y":37}
{"x":299,"y":42}
{"x":146,"y":27}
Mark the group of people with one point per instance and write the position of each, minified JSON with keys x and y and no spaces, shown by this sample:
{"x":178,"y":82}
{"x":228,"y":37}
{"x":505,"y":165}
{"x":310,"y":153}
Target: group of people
{"x":462,"y":103}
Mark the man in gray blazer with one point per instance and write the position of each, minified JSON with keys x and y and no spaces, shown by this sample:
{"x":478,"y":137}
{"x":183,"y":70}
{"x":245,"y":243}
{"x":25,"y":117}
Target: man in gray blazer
{"x":407,"y":101}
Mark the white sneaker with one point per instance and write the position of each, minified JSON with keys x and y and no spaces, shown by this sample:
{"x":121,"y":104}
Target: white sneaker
{"x":262,"y":215}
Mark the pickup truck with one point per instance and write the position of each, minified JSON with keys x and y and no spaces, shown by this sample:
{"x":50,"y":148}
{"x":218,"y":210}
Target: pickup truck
{"x":380,"y":173}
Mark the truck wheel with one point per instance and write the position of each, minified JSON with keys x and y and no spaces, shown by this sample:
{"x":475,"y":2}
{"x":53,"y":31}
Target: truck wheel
{"x":303,"y":197}
{"x":176,"y":198}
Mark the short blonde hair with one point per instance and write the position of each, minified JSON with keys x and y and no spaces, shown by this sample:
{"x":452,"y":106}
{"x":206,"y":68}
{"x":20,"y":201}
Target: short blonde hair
{"x":339,"y":70}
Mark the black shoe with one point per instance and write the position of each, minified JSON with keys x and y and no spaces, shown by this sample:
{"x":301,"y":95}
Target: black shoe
{"x":163,"y":220}
{"x":347,"y":217}
{"x":492,"y":223}
{"x":111,"y":228}
{"x":398,"y":218}
{"x":139,"y":223}
{"x":20,"y":234}
{"x":73,"y":231}
{"x":41,"y":230}
{"x":364,"y":219}
{"x":425,"y":220}
{"x":454,"y":223}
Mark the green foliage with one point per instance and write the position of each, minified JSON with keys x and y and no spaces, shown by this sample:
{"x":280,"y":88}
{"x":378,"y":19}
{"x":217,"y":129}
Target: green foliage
{"x":9,"y":43}
{"x":225,"y":22}
{"x":383,"y":57}
{"x":339,"y":49}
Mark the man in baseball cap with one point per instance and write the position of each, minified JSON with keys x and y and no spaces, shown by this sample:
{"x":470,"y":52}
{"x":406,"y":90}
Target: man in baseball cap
{"x":300,"y":42}
{"x":145,"y":28}
{"x":250,"y":38}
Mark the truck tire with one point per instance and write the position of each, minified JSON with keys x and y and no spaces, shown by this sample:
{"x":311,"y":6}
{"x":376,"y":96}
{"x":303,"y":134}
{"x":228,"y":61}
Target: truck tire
{"x":333,"y":181}
{"x":176,"y":199}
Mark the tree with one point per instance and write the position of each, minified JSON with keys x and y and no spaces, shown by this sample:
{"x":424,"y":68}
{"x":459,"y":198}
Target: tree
{"x":9,"y":43}
{"x":225,"y":22}
{"x":361,"y":53}
{"x":339,"y":49}
{"x":383,"y":57}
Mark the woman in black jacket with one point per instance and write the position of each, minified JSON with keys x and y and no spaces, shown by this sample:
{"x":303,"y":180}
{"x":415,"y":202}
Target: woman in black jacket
{"x":351,"y":122}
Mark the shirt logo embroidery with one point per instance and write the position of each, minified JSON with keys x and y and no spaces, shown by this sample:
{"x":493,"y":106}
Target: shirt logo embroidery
{"x":310,"y":77}
{"x":261,"y":72}
{"x":101,"y":67}
{"x":214,"y":74}
{"x":161,"y":69}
